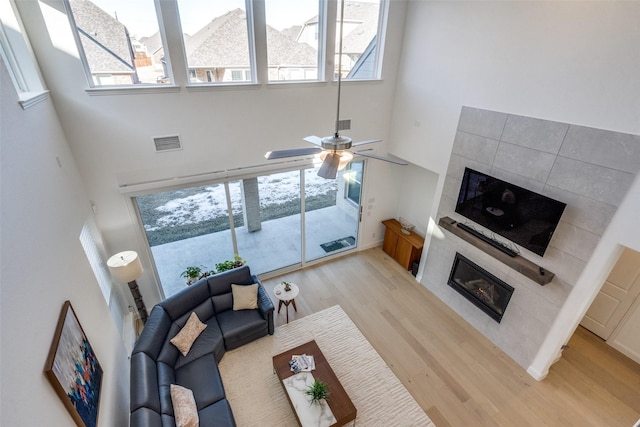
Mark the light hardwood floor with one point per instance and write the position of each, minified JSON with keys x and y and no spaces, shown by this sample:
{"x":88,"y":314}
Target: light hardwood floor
{"x":458,"y":376}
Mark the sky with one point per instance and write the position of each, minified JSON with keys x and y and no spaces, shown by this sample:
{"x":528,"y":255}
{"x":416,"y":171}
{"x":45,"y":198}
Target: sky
{"x":139,"y":16}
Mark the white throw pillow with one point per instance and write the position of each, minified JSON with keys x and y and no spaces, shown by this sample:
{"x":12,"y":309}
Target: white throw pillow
{"x":245,"y":297}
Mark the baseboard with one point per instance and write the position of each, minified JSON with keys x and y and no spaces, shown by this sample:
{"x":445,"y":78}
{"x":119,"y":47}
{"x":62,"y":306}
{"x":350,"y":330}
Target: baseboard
{"x":370,"y":245}
{"x":536,"y":374}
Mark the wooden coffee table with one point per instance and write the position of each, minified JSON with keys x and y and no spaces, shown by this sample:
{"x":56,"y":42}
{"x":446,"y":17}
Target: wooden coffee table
{"x":339,"y":402}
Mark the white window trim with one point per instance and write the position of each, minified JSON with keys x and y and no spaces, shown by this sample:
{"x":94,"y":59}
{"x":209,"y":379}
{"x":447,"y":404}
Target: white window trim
{"x":18,"y":57}
{"x":91,"y":240}
{"x":95,"y":89}
{"x":381,"y":38}
{"x":256,"y":26}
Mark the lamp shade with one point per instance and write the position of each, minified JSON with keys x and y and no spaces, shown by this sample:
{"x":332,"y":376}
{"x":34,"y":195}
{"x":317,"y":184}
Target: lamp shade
{"x":125,"y":266}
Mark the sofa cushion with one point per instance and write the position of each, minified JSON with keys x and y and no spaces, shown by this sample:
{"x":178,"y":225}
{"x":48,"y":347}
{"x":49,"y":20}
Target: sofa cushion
{"x":217,"y":414}
{"x":154,"y":334}
{"x":245,"y":297}
{"x":184,"y":407}
{"x":188,"y":334}
{"x":144,"y":383}
{"x":145,"y":417}
{"x":223,"y":302}
{"x":220,"y":286}
{"x":240,"y":327}
{"x":209,"y":341}
{"x":187,"y":300}
{"x":203,"y":378}
{"x":166,"y":377}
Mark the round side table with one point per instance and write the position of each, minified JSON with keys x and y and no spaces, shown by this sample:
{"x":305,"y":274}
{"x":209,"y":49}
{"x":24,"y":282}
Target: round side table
{"x":286,"y":297}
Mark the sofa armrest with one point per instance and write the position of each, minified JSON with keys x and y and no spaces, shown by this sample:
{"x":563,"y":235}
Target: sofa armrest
{"x":265,"y":305}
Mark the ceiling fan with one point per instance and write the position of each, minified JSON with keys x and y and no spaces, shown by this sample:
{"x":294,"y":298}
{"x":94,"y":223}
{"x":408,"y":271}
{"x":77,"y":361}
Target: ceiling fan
{"x":334,"y":150}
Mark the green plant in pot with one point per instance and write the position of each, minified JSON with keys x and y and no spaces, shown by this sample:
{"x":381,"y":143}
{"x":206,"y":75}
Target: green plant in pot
{"x":230,"y":264}
{"x":194,"y":273}
{"x":287,"y":286}
{"x":318,"y":391}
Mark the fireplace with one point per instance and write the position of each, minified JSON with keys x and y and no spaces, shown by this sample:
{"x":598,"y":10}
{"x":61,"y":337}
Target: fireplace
{"x":482,"y":288}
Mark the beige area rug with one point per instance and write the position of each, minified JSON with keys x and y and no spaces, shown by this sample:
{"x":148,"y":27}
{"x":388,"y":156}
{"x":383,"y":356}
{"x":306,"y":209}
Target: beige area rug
{"x":257,"y":398}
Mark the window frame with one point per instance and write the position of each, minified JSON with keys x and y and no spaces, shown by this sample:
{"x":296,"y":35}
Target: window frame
{"x":320,"y":36}
{"x":251,"y":44}
{"x":349,"y":183}
{"x":18,"y":57}
{"x":383,"y":16}
{"x":120,"y":87}
{"x":328,"y":11}
{"x":91,"y":242}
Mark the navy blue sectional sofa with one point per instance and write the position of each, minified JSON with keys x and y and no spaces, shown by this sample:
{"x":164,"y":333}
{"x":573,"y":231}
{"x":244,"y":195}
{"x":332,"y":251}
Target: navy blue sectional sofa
{"x":156,"y":363}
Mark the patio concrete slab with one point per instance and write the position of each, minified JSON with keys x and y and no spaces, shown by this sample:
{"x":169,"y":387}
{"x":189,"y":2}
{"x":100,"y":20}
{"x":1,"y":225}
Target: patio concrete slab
{"x":276,"y":245}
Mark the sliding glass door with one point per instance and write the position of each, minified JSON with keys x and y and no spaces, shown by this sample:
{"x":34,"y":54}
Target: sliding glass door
{"x":186,"y":228}
{"x":259,"y":218}
{"x":270,"y":238}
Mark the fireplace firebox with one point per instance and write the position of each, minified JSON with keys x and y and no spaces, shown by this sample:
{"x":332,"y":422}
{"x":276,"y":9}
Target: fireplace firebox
{"x":482,"y":288}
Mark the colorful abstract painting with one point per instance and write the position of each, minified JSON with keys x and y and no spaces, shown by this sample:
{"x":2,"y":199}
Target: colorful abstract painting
{"x":73,"y":369}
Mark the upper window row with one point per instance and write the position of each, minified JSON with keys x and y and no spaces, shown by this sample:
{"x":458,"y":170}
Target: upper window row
{"x":123,"y":44}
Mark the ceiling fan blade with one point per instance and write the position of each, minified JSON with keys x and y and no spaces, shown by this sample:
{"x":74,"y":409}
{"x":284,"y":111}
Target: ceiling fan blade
{"x":281,"y":154}
{"x":329,"y":168}
{"x":390,"y":158}
{"x":370,"y":141}
{"x":315,"y":140}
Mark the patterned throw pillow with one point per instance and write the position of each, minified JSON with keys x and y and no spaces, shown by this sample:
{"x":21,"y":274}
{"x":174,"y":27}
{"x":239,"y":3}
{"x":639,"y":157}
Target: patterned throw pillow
{"x":188,"y":334}
{"x":185,"y":410}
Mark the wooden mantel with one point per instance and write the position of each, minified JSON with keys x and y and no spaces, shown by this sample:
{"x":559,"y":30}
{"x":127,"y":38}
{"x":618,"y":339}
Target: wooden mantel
{"x":522,"y":265}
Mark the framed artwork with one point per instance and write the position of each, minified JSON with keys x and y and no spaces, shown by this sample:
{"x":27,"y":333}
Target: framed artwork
{"x":73,"y":369}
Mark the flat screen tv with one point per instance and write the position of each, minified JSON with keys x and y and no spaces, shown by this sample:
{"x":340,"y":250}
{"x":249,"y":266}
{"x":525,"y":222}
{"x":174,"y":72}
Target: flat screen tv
{"x":520,"y":215}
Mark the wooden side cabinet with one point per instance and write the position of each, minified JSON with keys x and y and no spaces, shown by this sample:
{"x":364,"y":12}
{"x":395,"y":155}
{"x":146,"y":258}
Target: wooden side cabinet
{"x":404,"y":248}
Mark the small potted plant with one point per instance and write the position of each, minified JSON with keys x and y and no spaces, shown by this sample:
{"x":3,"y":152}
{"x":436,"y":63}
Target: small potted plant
{"x":195,"y":273}
{"x":230,"y":264}
{"x":287,"y":286}
{"x":318,"y":391}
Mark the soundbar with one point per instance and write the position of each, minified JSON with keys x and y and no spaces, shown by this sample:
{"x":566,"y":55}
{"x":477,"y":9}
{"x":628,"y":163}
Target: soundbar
{"x":495,"y":243}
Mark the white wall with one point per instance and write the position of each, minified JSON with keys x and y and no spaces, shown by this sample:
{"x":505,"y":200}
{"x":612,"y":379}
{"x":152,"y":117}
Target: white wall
{"x":221,"y":128}
{"x":44,"y":205}
{"x":573,"y":62}
{"x":416,"y":189}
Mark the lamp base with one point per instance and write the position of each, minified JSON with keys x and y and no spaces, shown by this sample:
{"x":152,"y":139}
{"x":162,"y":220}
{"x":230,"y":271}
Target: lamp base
{"x":137,"y":298}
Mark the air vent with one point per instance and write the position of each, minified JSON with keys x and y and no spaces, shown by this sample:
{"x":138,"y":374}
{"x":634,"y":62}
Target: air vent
{"x":167,"y":143}
{"x":344,"y":124}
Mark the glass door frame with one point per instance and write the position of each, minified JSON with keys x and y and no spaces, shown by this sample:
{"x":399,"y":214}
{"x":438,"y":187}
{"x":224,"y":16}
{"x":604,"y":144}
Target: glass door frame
{"x":225,"y":181}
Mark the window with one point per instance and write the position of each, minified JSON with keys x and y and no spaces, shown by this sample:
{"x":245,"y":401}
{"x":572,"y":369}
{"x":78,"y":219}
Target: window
{"x":360,"y":39}
{"x":292,"y":39}
{"x":91,"y":241}
{"x":120,"y":43}
{"x":353,"y":181}
{"x":217,"y":37}
{"x":241,"y":75}
{"x":16,"y":54}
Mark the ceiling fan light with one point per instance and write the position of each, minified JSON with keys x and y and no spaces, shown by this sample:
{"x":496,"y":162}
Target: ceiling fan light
{"x":329,"y":168}
{"x":345,"y":158}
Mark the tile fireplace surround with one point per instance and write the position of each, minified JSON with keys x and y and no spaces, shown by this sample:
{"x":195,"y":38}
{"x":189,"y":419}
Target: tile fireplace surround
{"x":588,"y":169}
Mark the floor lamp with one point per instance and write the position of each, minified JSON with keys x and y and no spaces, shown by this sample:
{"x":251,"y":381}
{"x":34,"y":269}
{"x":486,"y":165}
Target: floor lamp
{"x":126,"y":268}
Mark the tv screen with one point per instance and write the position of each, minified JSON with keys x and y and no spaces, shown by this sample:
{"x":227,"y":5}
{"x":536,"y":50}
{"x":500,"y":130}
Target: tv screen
{"x":520,"y":215}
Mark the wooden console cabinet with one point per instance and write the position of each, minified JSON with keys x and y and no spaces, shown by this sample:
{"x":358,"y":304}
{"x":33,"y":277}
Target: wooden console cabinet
{"x":404,"y":248}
